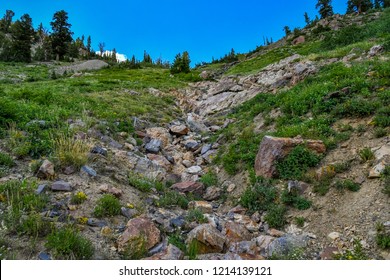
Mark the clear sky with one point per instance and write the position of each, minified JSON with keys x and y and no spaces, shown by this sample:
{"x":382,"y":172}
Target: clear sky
{"x":204,"y":28}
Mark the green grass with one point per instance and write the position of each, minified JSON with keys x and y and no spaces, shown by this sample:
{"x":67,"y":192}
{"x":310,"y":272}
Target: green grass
{"x":107,"y":205}
{"x":342,"y":185}
{"x":143,"y":183}
{"x":294,"y":199}
{"x":6,"y":160}
{"x":209,"y":179}
{"x":366,"y":154}
{"x":68,"y":243}
{"x":382,"y":237}
{"x":196,"y":215}
{"x":260,"y":196}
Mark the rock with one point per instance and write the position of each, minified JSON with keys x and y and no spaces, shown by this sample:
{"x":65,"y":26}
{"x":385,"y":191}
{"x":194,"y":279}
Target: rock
{"x":375,"y":50}
{"x":204,"y":75}
{"x":191,"y":145}
{"x":128,"y":212}
{"x":99,"y":150}
{"x":244,"y":247}
{"x":116,"y":145}
{"x":41,"y":188}
{"x":329,"y":253}
{"x":106,"y":231}
{"x":217,"y":257}
{"x":209,"y":155}
{"x":235,"y":232}
{"x":154,"y":146}
{"x":161,"y":134}
{"x":69,"y":170}
{"x":86,"y":170}
{"x":177,"y":222}
{"x":247,"y":222}
{"x":377,"y":170}
{"x":212,"y":193}
{"x":208,"y":239}
{"x":96,"y":223}
{"x":275,"y":232}
{"x":179,"y":130}
{"x":286,"y":244}
{"x":61,"y":186}
{"x":194,"y":169}
{"x":43,"y":256}
{"x":256,"y":217}
{"x":195,"y":123}
{"x":273,"y":149}
{"x":299,"y":40}
{"x":215,"y":128}
{"x":46,"y":170}
{"x":238,"y":210}
{"x":160,"y":160}
{"x":187,"y":163}
{"x":171,"y":252}
{"x":86,"y":65}
{"x":188,"y":187}
{"x":263,"y":242}
{"x":333,"y":236}
{"x":203,"y":206}
{"x":382,"y":152}
{"x":136,"y":229}
{"x":111,"y":190}
{"x":205,"y":148}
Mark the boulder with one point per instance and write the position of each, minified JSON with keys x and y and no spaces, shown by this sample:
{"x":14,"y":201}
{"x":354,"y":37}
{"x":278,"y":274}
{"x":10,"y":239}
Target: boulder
{"x":99,"y":150}
{"x":61,"y":186}
{"x":299,"y":40}
{"x":111,"y":190}
{"x":161,"y":134}
{"x":188,"y":187}
{"x":195,"y":123}
{"x":178,"y":130}
{"x":160,"y":160}
{"x":212,"y":193}
{"x":235,"y":232}
{"x":207,"y":239}
{"x":171,"y":252}
{"x":203,"y":206}
{"x":273,"y":149}
{"x":194,"y":169}
{"x":154,"y":146}
{"x":139,"y":229}
{"x":46,"y":170}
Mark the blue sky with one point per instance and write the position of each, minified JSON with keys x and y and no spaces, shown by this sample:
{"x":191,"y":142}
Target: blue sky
{"x":205,"y":28}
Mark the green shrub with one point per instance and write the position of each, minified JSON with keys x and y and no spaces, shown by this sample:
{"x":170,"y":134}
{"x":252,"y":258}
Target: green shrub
{"x":299,"y":221}
{"x":144,"y":184}
{"x":341,"y":167}
{"x":347,"y":184}
{"x":78,"y":198}
{"x":386,"y":180}
{"x":172,"y":198}
{"x":209,"y":179}
{"x":297,"y":163}
{"x":68,"y":243}
{"x":292,"y":198}
{"x":380,"y":132}
{"x":382,"y":117}
{"x":195,"y":215}
{"x":275,"y":216}
{"x":356,"y":254}
{"x":34,"y":225}
{"x":107,"y":205}
{"x":259,"y":197}
{"x":366,"y":154}
{"x":6,"y":160}
{"x":382,"y":237}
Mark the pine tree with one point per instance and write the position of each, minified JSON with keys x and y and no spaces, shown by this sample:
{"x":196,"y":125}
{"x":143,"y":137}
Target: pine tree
{"x":287,"y":30}
{"x":147,"y":58}
{"x":325,"y":8}
{"x":358,"y":6}
{"x":307,"y":18}
{"x":5,"y":22}
{"x":61,"y":36}
{"x":89,"y":43}
{"x":181,"y":64}
{"x":22,"y":33}
{"x":113,"y":56}
{"x":101,"y":47}
{"x":186,"y":62}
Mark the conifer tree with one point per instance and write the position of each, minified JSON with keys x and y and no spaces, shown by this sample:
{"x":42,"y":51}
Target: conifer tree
{"x":307,"y":18}
{"x":325,"y":8}
{"x":22,"y":33}
{"x":287,"y":30}
{"x":358,"y":6}
{"x":181,"y":64}
{"x":61,"y":36}
{"x":101,"y":47}
{"x":89,"y":42}
{"x":5,"y":22}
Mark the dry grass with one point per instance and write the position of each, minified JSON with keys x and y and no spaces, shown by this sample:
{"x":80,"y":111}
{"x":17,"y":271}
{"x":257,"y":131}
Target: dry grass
{"x":69,"y":151}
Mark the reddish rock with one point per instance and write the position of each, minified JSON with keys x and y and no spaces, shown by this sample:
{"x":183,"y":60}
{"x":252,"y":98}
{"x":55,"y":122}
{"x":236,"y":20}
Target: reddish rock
{"x":111,"y":190}
{"x":275,"y":232}
{"x":139,"y":229}
{"x":160,"y":160}
{"x":178,"y":130}
{"x":329,"y":253}
{"x":207,"y":239}
{"x":46,"y":171}
{"x":171,"y":252}
{"x":273,"y":149}
{"x":299,"y":40}
{"x":203,"y":206}
{"x":188,"y":187}
{"x":235,"y":232}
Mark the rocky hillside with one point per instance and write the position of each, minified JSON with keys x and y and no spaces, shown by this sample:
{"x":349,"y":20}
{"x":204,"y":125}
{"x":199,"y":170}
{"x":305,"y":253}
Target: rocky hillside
{"x":282,"y":155}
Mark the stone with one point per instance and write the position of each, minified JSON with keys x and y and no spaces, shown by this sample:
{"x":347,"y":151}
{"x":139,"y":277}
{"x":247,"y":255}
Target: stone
{"x":179,"y":130}
{"x":235,"y":232}
{"x":333,"y":236}
{"x":128,"y":212}
{"x":217,"y":257}
{"x":171,"y":252}
{"x":187,"y":163}
{"x":69,"y":170}
{"x":161,"y":134}
{"x":160,"y":160}
{"x":46,"y":170}
{"x":96,"y":223}
{"x":299,"y":40}
{"x":204,"y":75}
{"x":205,"y":148}
{"x":111,"y":190}
{"x":191,"y":145}
{"x":203,"y":206}
{"x":41,"y":188}
{"x":43,"y":256}
{"x":212,"y":193}
{"x":177,"y":222}
{"x":215,"y":128}
{"x":329,"y":253}
{"x":377,"y":170}
{"x":382,"y":152}
{"x":207,"y":238}
{"x":375,"y":50}
{"x":131,"y":141}
{"x":275,"y":232}
{"x":116,"y":145}
{"x":86,"y":170}
{"x":154,"y":146}
{"x":209,"y":156}
{"x":61,"y":186}
{"x":188,"y":187}
{"x":195,"y":123}
{"x":106,"y":231}
{"x":99,"y":150}
{"x":139,"y":228}
{"x":286,"y":244}
{"x":273,"y":149}
{"x":263,"y":242}
{"x":194,"y":169}
{"x":244,"y":247}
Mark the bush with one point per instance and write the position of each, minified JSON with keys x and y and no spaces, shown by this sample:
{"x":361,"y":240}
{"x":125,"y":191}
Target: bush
{"x":78,"y":198}
{"x":6,"y":160}
{"x":67,"y":243}
{"x":292,"y":198}
{"x":366,"y":154}
{"x":380,"y":132}
{"x":195,"y":215}
{"x":355,"y":254}
{"x":297,"y":163}
{"x":209,"y":179}
{"x":382,"y":238}
{"x":107,"y":205}
{"x":144,"y":184}
{"x":172,"y":198}
{"x":386,"y":180}
{"x":275,"y":216}
{"x":347,"y":184}
{"x":259,"y":197}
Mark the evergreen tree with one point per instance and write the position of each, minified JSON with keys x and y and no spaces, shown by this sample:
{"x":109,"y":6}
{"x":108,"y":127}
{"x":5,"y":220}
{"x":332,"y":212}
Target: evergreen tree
{"x":186,"y":62}
{"x":307,"y":18}
{"x":101,"y":47}
{"x":22,"y":33}
{"x":377,"y":4}
{"x":113,"y":56}
{"x":181,"y":63}
{"x":6,"y":21}
{"x":325,"y":8}
{"x":358,"y":6}
{"x":147,"y":58}
{"x":89,"y":43}
{"x":61,"y":36}
{"x":386,"y":4}
{"x":287,"y":30}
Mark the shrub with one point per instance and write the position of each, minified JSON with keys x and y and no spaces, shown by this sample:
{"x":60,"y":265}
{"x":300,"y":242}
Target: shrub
{"x":366,"y":154}
{"x":6,"y":160}
{"x":209,"y":179}
{"x":382,"y":238}
{"x":355,"y":254}
{"x":195,"y":215}
{"x":34,"y":225}
{"x":347,"y":184}
{"x":67,"y":243}
{"x":172,"y":198}
{"x":297,"y":163}
{"x":275,"y":216}
{"x":107,"y":205}
{"x":382,"y":117}
{"x":386,"y":180}
{"x":292,"y":198}
{"x":299,"y":221}
{"x":380,"y":132}
{"x":259,"y":197}
{"x":78,"y":198}
{"x":144,"y":184}
{"x":341,"y":167}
